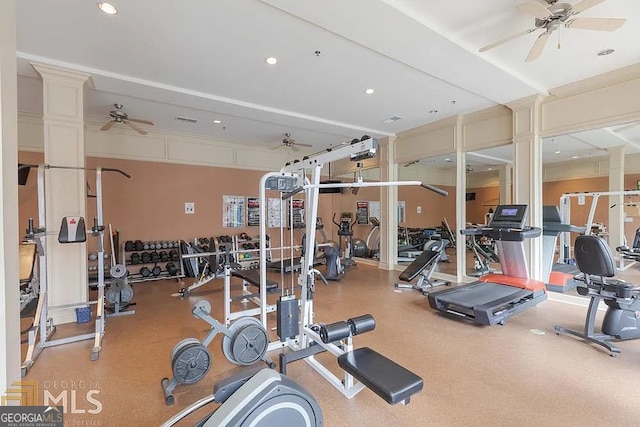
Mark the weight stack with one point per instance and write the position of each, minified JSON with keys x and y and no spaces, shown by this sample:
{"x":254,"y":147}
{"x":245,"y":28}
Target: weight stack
{"x":287,"y":320}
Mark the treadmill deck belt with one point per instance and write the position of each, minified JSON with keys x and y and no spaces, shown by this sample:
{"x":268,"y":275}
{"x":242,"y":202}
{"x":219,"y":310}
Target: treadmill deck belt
{"x":478,"y":294}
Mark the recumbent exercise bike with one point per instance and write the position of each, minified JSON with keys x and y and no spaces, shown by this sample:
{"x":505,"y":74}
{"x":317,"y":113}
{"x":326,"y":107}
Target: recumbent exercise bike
{"x":622,"y":319}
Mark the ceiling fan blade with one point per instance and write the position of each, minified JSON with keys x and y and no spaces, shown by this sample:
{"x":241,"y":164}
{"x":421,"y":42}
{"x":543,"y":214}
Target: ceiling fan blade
{"x":597,"y":24}
{"x":136,"y":128}
{"x":108,"y":125}
{"x":538,"y":47}
{"x":303,"y":145}
{"x":626,"y":127}
{"x":294,"y":148}
{"x":144,"y":122}
{"x":584,"y":5}
{"x":276,"y":147}
{"x":534,"y":9}
{"x":507,"y":39}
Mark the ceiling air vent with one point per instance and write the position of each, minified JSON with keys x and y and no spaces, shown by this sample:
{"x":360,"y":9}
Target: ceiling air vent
{"x":186,"y":119}
{"x":392,"y":119}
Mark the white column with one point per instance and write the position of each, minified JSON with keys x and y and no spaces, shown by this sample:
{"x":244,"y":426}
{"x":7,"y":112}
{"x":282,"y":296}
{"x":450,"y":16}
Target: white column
{"x":9,"y":279}
{"x":616,"y":183}
{"x":388,"y":205}
{"x":505,"y":183}
{"x":528,"y":172}
{"x":66,"y":189}
{"x":461,"y":201}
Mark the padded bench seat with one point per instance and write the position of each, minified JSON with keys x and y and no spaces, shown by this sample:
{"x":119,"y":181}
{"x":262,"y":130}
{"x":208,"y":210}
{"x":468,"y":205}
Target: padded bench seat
{"x":420,"y":263}
{"x":253,"y":278}
{"x":383,"y":376}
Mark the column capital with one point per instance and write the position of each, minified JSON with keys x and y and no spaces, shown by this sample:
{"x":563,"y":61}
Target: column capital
{"x":66,"y":75}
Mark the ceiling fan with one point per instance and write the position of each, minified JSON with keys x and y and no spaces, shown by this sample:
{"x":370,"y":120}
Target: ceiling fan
{"x":289,"y":142}
{"x":119,"y":116}
{"x":554,"y":15}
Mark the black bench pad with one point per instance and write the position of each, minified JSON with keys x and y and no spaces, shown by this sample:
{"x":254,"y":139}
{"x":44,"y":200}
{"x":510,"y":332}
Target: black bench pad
{"x":383,"y":376}
{"x":253,"y":278}
{"x":419,"y":264}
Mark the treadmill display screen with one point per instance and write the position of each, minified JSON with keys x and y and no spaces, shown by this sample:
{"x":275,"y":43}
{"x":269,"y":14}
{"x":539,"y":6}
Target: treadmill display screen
{"x":509,"y":212}
{"x":509,"y":216}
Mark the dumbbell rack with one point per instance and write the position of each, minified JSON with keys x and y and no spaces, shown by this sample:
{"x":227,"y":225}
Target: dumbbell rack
{"x":134,"y":275}
{"x":251,"y":259}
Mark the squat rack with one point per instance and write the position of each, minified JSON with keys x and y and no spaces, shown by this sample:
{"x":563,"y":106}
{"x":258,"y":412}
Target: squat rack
{"x":39,"y":334}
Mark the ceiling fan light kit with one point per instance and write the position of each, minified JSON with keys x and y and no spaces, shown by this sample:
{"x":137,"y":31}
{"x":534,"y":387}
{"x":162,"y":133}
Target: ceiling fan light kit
{"x":553,"y":17}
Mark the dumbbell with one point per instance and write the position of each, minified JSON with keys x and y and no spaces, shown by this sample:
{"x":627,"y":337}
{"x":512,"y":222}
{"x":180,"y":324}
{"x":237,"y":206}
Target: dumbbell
{"x":172,"y":269}
{"x":164,"y":256}
{"x":129,"y":246}
{"x":93,"y":256}
{"x":146,"y":246}
{"x":156,"y":270}
{"x":135,"y":258}
{"x":145,"y":257}
{"x":139,"y":246}
{"x":155,"y":257}
{"x":173,"y":255}
{"x":145,"y":272}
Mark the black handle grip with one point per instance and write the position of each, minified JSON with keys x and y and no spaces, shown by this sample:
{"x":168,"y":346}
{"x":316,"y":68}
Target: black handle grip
{"x":440,"y":191}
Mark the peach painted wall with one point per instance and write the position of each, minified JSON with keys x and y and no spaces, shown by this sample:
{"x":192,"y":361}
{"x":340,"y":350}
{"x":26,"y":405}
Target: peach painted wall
{"x":434,"y":207}
{"x":150,"y":205}
{"x":485,"y":196}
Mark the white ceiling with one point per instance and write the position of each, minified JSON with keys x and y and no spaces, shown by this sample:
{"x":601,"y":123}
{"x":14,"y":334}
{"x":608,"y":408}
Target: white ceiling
{"x":205,"y":59}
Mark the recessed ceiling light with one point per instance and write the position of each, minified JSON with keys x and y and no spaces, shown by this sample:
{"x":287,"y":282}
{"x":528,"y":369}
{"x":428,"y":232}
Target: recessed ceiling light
{"x":490,"y":169}
{"x":574,"y":157}
{"x":605,"y":52}
{"x":369,"y":91}
{"x":433,"y":111}
{"x":557,"y":152}
{"x":217,"y":122}
{"x":107,"y":8}
{"x":271,"y":60}
{"x":448,"y":160}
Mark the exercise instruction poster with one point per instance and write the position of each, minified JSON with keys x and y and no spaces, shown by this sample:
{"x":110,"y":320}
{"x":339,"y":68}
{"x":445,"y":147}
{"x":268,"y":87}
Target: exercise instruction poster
{"x":274,"y":213}
{"x":233,"y":211}
{"x":253,"y":212}
{"x":362,"y":212}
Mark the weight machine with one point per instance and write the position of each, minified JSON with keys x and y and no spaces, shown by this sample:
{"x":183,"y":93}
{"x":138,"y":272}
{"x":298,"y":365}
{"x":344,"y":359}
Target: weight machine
{"x":296,"y":326}
{"x":72,"y":231}
{"x":565,"y":214}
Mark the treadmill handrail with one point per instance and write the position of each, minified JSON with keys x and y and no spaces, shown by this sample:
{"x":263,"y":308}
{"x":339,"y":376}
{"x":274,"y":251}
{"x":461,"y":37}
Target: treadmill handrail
{"x":504,"y":233}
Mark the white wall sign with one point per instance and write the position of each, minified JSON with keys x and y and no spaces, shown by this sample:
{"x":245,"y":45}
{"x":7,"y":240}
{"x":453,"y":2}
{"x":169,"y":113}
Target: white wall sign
{"x":189,"y":208}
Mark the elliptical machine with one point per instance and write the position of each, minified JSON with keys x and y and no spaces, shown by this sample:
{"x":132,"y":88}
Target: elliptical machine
{"x":345,"y":232}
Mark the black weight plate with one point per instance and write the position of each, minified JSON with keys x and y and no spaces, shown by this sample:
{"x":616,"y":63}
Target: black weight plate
{"x":190,"y":363}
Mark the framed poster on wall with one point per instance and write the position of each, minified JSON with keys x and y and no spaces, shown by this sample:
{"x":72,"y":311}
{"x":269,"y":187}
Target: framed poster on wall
{"x":274,"y":213}
{"x":362,"y":212}
{"x":297,"y":213}
{"x":233,"y":211}
{"x":374,"y":209}
{"x":253,"y":212}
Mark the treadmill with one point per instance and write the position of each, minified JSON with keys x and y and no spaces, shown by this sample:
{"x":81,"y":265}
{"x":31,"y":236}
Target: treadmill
{"x":559,"y":276}
{"x":493,"y":298}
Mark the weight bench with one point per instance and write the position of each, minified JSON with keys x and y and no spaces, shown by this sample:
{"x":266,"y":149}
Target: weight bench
{"x":252,"y":277}
{"x":383,"y":376}
{"x":428,"y":261}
